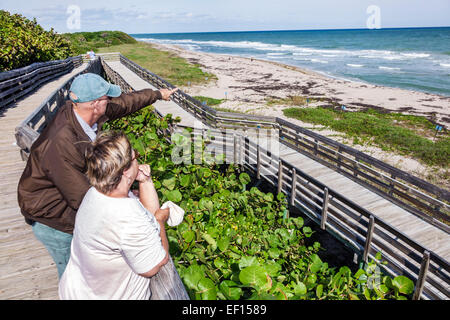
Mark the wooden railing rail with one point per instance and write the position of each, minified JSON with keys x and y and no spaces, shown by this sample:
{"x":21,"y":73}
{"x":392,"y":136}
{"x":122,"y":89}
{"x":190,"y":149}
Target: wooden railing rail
{"x":16,"y":83}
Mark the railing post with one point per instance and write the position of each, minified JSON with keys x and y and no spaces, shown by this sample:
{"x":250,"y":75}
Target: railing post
{"x":392,"y":185}
{"x":369,"y":237}
{"x":355,"y":167}
{"x":234,"y":149}
{"x":241,"y":159}
{"x":280,"y":175}
{"x":294,"y":187}
{"x":422,"y":275}
{"x":258,"y":163}
{"x":323,"y":220}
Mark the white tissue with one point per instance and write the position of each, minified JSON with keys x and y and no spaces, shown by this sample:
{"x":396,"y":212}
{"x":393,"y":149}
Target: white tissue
{"x":176,"y":213}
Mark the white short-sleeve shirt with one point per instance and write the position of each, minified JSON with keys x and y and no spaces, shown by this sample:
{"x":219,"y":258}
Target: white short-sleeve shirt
{"x":114,"y":240}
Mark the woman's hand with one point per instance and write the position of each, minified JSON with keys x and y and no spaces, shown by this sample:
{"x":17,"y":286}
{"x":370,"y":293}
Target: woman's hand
{"x":162,"y":215}
{"x":144,"y":173}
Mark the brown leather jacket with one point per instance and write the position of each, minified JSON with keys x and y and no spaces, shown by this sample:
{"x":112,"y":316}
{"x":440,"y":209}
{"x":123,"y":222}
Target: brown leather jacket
{"x":53,"y":182}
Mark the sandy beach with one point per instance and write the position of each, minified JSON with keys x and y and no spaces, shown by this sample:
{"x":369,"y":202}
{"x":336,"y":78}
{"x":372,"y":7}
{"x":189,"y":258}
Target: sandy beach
{"x":248,"y":84}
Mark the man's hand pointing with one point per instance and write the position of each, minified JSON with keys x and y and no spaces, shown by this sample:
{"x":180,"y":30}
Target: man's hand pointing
{"x":166,"y":93}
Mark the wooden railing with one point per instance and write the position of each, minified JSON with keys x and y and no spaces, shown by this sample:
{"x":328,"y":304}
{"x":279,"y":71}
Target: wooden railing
{"x":349,"y":222}
{"x":16,"y":83}
{"x":424,"y":199}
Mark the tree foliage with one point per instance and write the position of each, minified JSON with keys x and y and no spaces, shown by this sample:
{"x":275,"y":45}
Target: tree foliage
{"x":85,"y":41}
{"x":23,"y":42}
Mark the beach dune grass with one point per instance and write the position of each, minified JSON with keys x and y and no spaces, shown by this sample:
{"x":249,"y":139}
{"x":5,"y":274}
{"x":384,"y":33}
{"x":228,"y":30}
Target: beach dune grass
{"x":209,"y":101}
{"x":168,"y":66}
{"x":406,"y":134}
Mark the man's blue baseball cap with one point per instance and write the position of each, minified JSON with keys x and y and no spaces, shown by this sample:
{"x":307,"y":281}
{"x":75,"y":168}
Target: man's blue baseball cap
{"x":90,"y":86}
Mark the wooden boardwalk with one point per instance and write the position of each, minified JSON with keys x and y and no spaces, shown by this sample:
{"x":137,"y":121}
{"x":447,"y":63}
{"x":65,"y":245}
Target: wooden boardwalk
{"x":164,"y":107}
{"x":26,"y":269}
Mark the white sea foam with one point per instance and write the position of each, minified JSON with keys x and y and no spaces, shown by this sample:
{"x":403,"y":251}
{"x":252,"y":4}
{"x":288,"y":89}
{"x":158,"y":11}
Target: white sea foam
{"x":277,"y":53}
{"x":445,"y":65}
{"x":296,"y":50}
{"x":318,"y":61}
{"x":355,"y":65}
{"x":387,"y":68}
{"x":415,"y":55}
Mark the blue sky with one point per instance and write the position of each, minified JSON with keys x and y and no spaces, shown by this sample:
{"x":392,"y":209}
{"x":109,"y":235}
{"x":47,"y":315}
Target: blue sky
{"x":166,"y":16}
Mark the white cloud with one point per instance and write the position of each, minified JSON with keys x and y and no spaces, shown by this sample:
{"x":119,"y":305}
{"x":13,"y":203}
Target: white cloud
{"x":140,"y":16}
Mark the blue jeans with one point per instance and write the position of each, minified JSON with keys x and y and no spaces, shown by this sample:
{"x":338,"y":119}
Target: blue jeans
{"x":56,"y":242}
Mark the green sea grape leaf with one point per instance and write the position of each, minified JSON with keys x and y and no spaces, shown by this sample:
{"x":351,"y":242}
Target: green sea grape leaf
{"x":229,"y":289}
{"x":185,"y":180}
{"x":316,"y":263}
{"x":188,"y":236}
{"x":244,"y":178}
{"x":247,"y":261}
{"x":169,"y":183}
{"x":174,"y":195}
{"x":192,"y":275}
{"x":300,"y":288}
{"x":223,"y":243}
{"x":319,"y":291}
{"x":210,"y":240}
{"x":207,"y":289}
{"x":403,"y":284}
{"x":253,"y":276}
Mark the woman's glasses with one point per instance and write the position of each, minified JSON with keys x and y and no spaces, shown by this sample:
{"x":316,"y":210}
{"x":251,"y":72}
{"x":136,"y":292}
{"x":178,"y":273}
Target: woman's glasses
{"x":136,"y":155}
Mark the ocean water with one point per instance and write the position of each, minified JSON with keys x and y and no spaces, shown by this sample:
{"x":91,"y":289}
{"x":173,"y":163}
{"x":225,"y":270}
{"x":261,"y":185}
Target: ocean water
{"x":409,"y":58}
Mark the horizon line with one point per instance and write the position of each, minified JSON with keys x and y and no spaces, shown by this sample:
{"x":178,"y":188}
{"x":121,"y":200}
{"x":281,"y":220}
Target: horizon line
{"x":290,"y":30}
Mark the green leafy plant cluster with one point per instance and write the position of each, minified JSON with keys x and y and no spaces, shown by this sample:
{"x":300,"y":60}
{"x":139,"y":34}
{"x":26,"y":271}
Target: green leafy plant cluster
{"x":23,"y":42}
{"x":167,"y":65}
{"x":237,"y":242}
{"x":83,"y":42}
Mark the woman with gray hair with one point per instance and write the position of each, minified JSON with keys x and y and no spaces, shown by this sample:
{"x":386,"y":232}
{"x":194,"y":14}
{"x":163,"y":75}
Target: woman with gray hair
{"x":119,"y":241}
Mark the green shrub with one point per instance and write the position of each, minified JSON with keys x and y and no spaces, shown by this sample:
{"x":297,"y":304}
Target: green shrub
{"x":83,"y":42}
{"x":23,"y":42}
{"x":237,"y":242}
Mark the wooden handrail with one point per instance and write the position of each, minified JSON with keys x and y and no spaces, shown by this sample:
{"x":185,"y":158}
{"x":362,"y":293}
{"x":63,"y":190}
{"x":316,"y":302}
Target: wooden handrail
{"x":16,"y":83}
